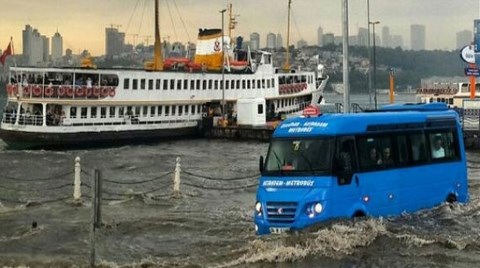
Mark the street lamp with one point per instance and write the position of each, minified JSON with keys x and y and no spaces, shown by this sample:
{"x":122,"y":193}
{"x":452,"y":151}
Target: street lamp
{"x":223,"y":67}
{"x":373,"y":23}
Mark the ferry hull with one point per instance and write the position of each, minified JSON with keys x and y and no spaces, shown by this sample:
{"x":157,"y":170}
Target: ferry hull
{"x":34,"y":140}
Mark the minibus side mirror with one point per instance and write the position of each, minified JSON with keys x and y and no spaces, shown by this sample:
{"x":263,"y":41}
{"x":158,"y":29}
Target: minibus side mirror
{"x":260,"y":166}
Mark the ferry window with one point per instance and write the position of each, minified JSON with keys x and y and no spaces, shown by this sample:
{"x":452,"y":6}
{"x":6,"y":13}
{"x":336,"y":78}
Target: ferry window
{"x":192,"y":84}
{"x":93,"y":112}
{"x":83,"y":112}
{"x":199,"y":109}
{"x":179,"y":84}
{"x":103,"y":112}
{"x":174,"y":109}
{"x":165,"y":84}
{"x":227,"y":85}
{"x":193,"y":109}
{"x":263,"y":83}
{"x":142,"y":83}
{"x":204,"y":84}
{"x":186,"y":109}
{"x":180,"y":109}
{"x":221,"y":85}
{"x":134,"y":84}
{"x":238,"y":84}
{"x":198,"y":84}
{"x":232,"y":84}
{"x":137,"y":110}
{"x":248,"y":84}
{"x":172,"y":84}
{"x":121,"y":111}
{"x":260,"y":109}
{"x":73,"y":112}
{"x":167,"y":110}
{"x":418,"y":147}
{"x":145,"y":110}
{"x":216,"y":84}
{"x":273,"y":83}
{"x":253,"y":84}
{"x":185,"y":84}
{"x":159,"y":110}
{"x":345,"y":161}
{"x":210,"y":83}
{"x":112,"y":112}
{"x":150,"y":84}
{"x":157,"y":84}
{"x":243,"y":84}
{"x":126,"y":83}
{"x":259,"y":85}
{"x":450,"y":101}
{"x":152,"y":111}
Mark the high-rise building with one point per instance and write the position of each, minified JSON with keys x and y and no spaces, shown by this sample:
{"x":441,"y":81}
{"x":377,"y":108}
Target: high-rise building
{"x":320,"y":36}
{"x":114,"y":42}
{"x":464,"y":38}
{"x":386,"y":37}
{"x":35,"y":46}
{"x":271,"y":40}
{"x":279,"y":41}
{"x":254,"y":41}
{"x":57,"y":46}
{"x":362,"y":37}
{"x":328,"y":39}
{"x":417,"y":37}
{"x":397,"y":41}
{"x":302,"y":43}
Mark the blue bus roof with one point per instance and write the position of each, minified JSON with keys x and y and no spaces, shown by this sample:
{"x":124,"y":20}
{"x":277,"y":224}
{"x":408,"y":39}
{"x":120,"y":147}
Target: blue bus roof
{"x":393,"y":117}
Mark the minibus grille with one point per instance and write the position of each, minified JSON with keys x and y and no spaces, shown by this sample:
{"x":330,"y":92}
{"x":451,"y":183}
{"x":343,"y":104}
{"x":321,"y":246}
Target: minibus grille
{"x":281,"y":212}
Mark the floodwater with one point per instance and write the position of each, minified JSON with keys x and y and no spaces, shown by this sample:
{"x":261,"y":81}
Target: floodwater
{"x":144,"y":226}
{"x":210,"y":223}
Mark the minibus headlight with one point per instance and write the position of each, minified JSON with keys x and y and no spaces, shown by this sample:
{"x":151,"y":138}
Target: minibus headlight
{"x":258,"y":207}
{"x":314,"y":209}
{"x":318,"y":208}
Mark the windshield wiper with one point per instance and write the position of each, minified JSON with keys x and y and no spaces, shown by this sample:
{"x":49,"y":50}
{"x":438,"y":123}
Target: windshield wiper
{"x":279,"y":164}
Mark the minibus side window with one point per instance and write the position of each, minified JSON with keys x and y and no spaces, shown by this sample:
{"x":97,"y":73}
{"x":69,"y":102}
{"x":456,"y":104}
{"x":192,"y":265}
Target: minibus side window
{"x":402,"y":150}
{"x":418,"y":147}
{"x":345,"y":160}
{"x":443,"y":145}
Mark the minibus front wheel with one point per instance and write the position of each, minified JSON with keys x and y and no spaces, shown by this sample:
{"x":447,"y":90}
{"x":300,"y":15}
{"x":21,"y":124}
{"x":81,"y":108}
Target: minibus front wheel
{"x":358,"y":215}
{"x":451,"y":198}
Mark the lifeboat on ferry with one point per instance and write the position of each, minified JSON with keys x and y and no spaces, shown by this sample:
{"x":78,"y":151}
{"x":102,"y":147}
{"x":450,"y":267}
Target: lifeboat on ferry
{"x":238,"y":65}
{"x":175,"y":63}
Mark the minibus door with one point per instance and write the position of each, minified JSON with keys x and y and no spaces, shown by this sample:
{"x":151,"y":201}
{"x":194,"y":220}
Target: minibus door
{"x":345,"y":169}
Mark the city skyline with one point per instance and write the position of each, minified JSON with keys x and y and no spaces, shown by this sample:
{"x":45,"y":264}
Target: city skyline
{"x":83,"y":27}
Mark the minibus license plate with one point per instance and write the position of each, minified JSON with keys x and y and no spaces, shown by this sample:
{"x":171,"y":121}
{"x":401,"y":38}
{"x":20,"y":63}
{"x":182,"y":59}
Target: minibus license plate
{"x":278,"y":230}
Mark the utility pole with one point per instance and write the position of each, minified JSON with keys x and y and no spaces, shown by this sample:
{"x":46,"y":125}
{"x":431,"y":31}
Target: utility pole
{"x":223,"y":67}
{"x":346,"y":82}
{"x":369,"y":59}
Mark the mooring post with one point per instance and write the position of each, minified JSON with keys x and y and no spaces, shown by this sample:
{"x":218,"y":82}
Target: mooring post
{"x":92,"y":222}
{"x":77,"y":182}
{"x":176,"y":178}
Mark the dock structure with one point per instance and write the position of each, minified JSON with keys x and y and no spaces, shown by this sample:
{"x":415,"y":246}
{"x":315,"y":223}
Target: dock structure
{"x":470,"y":123}
{"x":260,"y":133}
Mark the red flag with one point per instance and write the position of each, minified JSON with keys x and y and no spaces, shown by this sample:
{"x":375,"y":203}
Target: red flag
{"x":6,"y":53}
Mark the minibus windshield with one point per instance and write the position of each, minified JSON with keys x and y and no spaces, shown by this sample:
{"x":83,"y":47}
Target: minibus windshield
{"x":300,"y":156}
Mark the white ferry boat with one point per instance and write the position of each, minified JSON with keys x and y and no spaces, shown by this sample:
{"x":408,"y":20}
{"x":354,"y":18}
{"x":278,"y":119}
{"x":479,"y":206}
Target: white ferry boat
{"x":83,"y":106}
{"x":453,"y":94}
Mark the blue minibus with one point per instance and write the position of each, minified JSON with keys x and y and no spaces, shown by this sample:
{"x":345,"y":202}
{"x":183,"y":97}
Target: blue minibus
{"x":400,"y":158}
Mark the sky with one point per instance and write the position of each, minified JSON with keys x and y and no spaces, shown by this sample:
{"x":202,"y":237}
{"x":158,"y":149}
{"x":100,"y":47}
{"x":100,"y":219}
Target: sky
{"x":82,"y":23}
